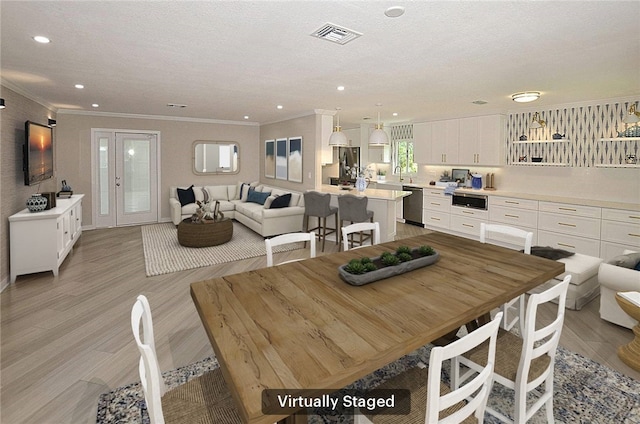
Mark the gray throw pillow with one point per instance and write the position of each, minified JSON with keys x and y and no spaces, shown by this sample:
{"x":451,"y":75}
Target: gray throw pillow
{"x":550,"y":252}
{"x":626,"y":261}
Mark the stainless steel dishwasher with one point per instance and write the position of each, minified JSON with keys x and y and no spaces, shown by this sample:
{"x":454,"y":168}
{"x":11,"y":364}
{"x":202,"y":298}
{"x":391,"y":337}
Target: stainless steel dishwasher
{"x":412,"y":206}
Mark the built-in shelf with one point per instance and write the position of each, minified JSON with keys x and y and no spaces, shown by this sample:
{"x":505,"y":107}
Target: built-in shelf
{"x":619,"y":165}
{"x":539,"y":164}
{"x":559,"y":140}
{"x":621,"y":139}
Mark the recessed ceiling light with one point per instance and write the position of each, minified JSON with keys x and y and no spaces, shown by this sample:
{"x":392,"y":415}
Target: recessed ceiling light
{"x":79,"y":86}
{"x":246,"y":116}
{"x":525,"y":96}
{"x":279,"y":106}
{"x":395,"y":113}
{"x":41,"y":39}
{"x":341,"y":88}
{"x":394,"y":11}
{"x":479,"y":102}
{"x":95,"y":105}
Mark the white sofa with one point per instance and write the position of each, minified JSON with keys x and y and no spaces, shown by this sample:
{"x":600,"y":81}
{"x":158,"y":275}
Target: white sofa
{"x":614,"y":279}
{"x":260,"y":218}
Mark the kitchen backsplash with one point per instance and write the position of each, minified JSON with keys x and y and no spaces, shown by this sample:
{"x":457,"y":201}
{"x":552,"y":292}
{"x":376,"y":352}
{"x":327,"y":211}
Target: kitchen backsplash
{"x":583,"y":127}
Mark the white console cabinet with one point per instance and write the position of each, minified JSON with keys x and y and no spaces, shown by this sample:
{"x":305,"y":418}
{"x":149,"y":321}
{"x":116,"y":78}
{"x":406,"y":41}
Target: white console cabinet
{"x":40,"y":241}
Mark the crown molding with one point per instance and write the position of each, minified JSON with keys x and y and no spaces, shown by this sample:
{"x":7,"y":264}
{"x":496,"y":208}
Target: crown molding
{"x":289,"y":118}
{"x":156,"y":117}
{"x":13,"y":87}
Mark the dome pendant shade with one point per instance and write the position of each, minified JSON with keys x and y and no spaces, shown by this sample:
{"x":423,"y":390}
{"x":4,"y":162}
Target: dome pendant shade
{"x":338,"y":138}
{"x":378,"y":137}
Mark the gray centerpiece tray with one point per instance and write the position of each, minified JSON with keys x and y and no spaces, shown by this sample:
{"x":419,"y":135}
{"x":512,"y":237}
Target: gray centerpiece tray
{"x":386,"y":271}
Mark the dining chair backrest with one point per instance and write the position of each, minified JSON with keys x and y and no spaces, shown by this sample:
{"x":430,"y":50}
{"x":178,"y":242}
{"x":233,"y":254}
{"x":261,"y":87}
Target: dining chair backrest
{"x":357,"y":228}
{"x":353,"y":208}
{"x":526,"y":236}
{"x":317,"y":204}
{"x":151,"y":379}
{"x":272,"y":242}
{"x":476,"y":392}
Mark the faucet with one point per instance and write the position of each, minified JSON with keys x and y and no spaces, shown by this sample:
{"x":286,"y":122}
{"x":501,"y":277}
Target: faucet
{"x":399,"y":169}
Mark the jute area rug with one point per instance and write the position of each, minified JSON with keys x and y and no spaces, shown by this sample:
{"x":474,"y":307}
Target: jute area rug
{"x":584,"y":392}
{"x":163,"y":254}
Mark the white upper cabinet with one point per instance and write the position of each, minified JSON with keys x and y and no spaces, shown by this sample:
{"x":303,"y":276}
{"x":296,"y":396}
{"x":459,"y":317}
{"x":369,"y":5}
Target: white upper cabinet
{"x":481,"y":140}
{"x":467,"y":141}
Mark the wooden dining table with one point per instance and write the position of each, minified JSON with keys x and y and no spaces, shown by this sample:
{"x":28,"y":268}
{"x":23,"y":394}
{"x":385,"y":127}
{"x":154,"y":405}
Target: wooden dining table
{"x":300,"y":326}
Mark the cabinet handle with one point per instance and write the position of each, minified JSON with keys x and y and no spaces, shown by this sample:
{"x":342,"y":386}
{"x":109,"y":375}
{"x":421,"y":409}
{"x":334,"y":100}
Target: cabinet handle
{"x":434,"y":219}
{"x":468,"y":225}
{"x":434,"y":203}
{"x":512,"y":202}
{"x":567,"y":209}
{"x":634,"y":217}
{"x":511,"y":216}
{"x":634,"y":235}
{"x":468,"y":212}
{"x":566,"y":225}
{"x":566,"y":245}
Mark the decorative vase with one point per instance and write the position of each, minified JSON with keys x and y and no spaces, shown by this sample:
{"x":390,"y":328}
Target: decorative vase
{"x":361,"y":184}
{"x":36,"y":203}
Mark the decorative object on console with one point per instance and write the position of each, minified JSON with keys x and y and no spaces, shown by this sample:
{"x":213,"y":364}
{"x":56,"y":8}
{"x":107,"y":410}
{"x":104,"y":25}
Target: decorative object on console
{"x":523,"y":137}
{"x":36,"y":203}
{"x":51,"y":199}
{"x":66,"y":190}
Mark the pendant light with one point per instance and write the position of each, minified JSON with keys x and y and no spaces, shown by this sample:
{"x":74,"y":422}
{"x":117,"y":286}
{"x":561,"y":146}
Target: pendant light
{"x":338,"y":138}
{"x":378,"y":137}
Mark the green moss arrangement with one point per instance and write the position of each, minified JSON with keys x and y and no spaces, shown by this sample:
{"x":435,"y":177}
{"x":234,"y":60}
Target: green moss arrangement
{"x":370,"y":266}
{"x":426,"y":250}
{"x":403,"y":249}
{"x":404,"y":257}
{"x":390,"y":260}
{"x":355,"y":267}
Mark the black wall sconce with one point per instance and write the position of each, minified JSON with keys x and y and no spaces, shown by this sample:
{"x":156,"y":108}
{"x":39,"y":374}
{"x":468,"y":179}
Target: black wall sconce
{"x":52,"y":122}
{"x":1,"y":103}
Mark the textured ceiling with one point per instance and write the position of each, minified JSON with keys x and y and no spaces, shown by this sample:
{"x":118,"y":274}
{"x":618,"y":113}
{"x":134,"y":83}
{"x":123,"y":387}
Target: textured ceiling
{"x":228,"y":59}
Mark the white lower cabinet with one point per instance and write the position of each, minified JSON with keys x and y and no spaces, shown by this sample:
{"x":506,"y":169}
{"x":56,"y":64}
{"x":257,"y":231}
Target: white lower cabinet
{"x":40,"y":241}
{"x":620,"y":232}
{"x":571,"y":227}
{"x":436,"y":209}
{"x":468,"y":220}
{"x":518,"y":213}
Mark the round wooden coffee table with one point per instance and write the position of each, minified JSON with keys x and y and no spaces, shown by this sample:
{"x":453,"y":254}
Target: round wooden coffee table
{"x":210,"y":233}
{"x":630,"y":353}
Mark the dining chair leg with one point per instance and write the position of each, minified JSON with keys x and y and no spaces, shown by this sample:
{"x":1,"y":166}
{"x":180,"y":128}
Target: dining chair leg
{"x":338,"y":239}
{"x":324,"y":231}
{"x":306,"y":228}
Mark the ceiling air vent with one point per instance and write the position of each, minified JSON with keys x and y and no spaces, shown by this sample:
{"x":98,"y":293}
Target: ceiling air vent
{"x":336,"y":34}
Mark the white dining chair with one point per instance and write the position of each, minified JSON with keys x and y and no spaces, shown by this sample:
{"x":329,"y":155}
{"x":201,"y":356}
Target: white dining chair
{"x":432,"y":401}
{"x":523,"y":364}
{"x":201,"y":399}
{"x":272,"y":242}
{"x":526,"y":240}
{"x":358,"y":228}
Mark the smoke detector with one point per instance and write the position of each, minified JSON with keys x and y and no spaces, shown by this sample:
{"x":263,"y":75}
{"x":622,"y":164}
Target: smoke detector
{"x":335,"y":33}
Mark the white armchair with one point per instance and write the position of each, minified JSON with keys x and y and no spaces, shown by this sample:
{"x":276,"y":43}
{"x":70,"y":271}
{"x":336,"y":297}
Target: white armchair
{"x":614,"y":279}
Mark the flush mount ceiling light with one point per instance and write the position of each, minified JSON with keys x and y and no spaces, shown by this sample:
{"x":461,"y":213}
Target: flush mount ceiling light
{"x":335,"y":33}
{"x":338,"y":138}
{"x":394,"y":11}
{"x":633,"y":116}
{"x":526,"y":96}
{"x":41,"y":39}
{"x":378,"y":137}
{"x":537,"y":122}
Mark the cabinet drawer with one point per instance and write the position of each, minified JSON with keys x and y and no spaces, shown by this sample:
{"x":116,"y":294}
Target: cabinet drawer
{"x":433,"y":192}
{"x":470,"y":212}
{"x":569,"y":209}
{"x":621,"y":215}
{"x":576,"y":225}
{"x":582,"y":245}
{"x":466,"y":225}
{"x":610,"y":250}
{"x":435,"y":219}
{"x":513,"y":216}
{"x":437,"y":204}
{"x":621,"y":232}
{"x":513,"y":202}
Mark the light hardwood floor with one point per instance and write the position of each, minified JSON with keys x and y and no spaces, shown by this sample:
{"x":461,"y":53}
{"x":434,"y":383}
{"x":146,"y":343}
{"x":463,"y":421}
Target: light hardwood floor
{"x":67,"y":339}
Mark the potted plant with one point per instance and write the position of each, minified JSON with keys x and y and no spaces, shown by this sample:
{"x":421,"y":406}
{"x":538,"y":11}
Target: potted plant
{"x":367,"y":270}
{"x":381,"y":174}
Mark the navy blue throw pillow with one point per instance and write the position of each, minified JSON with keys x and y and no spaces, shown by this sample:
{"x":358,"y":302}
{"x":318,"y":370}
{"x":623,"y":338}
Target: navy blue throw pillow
{"x":257,"y":196}
{"x":281,"y":201}
{"x":186,"y":195}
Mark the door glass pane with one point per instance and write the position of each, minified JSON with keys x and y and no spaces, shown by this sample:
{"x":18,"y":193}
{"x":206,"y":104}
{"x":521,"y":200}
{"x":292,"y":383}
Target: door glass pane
{"x":103,"y":174}
{"x":137,"y":176}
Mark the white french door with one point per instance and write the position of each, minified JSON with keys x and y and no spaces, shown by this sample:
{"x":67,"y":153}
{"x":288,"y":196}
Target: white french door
{"x":125,"y":170}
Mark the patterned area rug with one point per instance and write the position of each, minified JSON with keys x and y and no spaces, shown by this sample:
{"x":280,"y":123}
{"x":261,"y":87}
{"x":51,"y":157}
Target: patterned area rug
{"x":163,"y":254}
{"x":585,"y":392}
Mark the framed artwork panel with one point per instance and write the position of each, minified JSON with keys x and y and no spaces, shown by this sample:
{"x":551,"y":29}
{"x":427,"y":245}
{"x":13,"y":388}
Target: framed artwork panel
{"x":294,"y":159}
{"x":281,"y":159}
{"x":270,"y":158}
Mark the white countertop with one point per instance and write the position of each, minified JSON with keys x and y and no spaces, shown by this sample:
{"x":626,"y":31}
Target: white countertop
{"x":371,"y":193}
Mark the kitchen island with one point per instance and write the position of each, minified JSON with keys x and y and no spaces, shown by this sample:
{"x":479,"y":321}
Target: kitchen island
{"x":383,"y":203}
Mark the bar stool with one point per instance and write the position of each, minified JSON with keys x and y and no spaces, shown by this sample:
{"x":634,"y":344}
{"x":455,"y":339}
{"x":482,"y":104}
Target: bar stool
{"x":354,"y":209}
{"x":318,"y":205}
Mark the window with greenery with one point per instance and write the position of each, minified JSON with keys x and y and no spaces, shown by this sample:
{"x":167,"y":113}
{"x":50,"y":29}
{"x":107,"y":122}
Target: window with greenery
{"x":403,"y":157}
